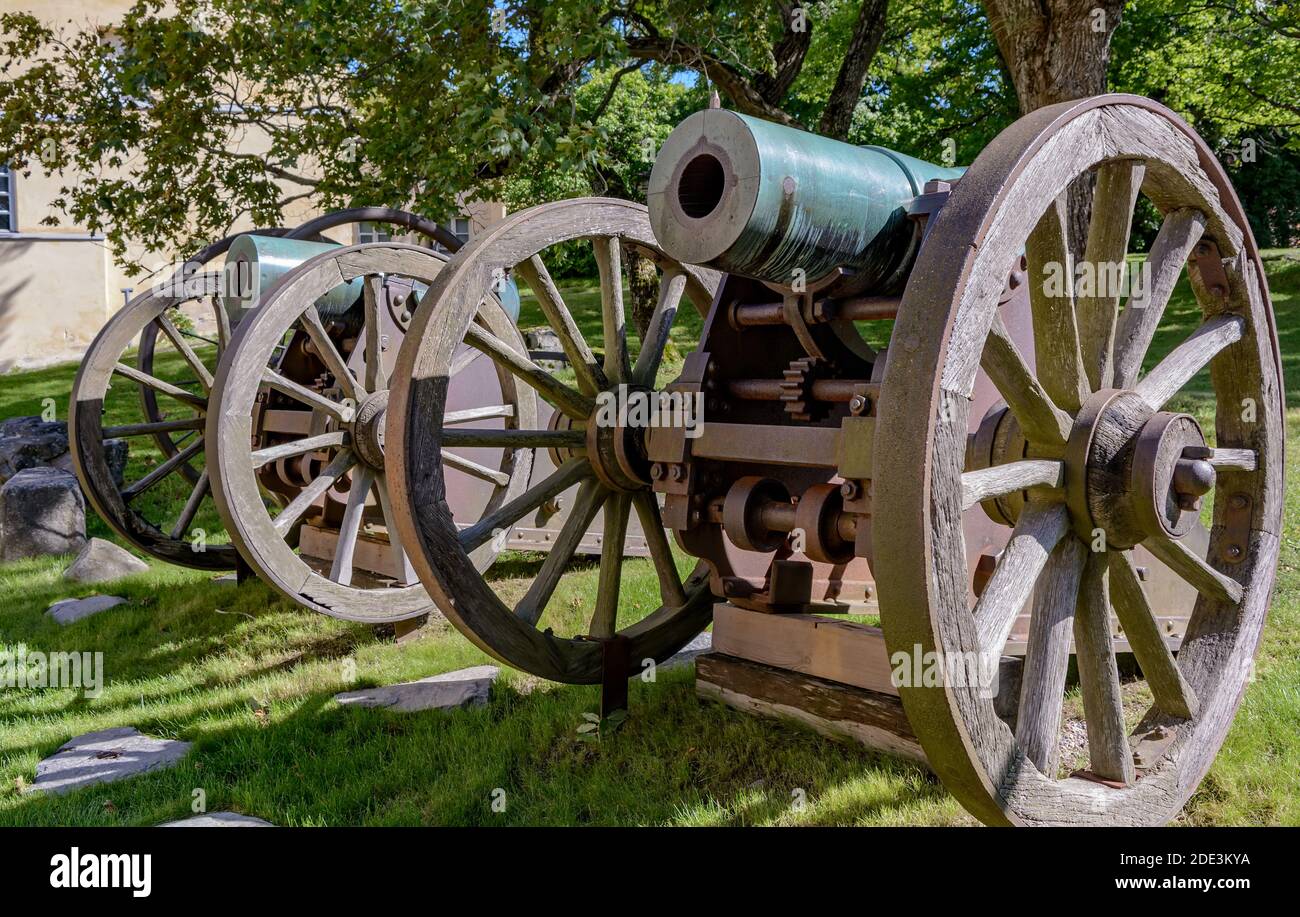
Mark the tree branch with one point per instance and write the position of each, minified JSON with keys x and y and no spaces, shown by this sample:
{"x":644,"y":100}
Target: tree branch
{"x":788,"y":53}
{"x":743,"y":94}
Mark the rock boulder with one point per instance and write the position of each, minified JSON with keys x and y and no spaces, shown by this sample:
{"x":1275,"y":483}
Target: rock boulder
{"x":42,"y":512}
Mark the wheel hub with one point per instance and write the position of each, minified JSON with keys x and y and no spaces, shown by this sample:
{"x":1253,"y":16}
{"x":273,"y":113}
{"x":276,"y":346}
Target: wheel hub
{"x":617,"y":452}
{"x":1132,"y":472}
{"x":368,"y":429}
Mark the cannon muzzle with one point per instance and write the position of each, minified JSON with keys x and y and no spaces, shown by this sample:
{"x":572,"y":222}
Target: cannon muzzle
{"x":767,"y":201}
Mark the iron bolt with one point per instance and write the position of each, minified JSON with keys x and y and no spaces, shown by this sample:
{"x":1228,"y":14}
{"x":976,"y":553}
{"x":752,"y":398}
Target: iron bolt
{"x":849,"y":490}
{"x":857,"y":404}
{"x":657,"y":471}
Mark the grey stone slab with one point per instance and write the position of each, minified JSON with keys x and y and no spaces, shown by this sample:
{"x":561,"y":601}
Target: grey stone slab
{"x":463,"y":688}
{"x":219,"y":820}
{"x":65,"y":611}
{"x":701,"y":643}
{"x":102,"y":561}
{"x":42,"y":513}
{"x":104,"y":757}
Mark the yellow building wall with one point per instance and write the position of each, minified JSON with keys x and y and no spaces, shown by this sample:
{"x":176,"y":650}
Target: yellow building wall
{"x":59,"y":284}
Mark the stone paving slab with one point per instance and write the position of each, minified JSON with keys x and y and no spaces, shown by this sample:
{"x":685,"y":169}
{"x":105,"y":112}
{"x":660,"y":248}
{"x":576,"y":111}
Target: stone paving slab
{"x":700,"y":644}
{"x":219,"y":820}
{"x":464,"y":688}
{"x":66,"y":611}
{"x":104,"y":757}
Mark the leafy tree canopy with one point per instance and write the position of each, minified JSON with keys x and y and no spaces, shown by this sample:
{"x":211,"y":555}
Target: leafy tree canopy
{"x":191,"y":114}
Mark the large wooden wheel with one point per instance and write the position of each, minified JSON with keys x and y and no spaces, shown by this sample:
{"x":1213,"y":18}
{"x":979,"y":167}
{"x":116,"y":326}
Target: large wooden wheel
{"x":171,"y":415}
{"x":162,"y":332}
{"x":605,"y":462}
{"x":318,"y":448}
{"x":1106,"y":467}
{"x":170,"y":380}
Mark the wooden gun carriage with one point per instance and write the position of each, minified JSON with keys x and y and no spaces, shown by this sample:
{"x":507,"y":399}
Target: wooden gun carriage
{"x":330,"y":545}
{"x":1002,"y":470}
{"x":1009,"y":464}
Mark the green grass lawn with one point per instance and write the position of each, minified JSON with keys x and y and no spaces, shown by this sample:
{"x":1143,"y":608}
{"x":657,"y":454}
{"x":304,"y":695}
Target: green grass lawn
{"x":249,"y":678}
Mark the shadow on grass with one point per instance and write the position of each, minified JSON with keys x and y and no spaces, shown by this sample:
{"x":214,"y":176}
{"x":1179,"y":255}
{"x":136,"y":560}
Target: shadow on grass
{"x":518,"y":760}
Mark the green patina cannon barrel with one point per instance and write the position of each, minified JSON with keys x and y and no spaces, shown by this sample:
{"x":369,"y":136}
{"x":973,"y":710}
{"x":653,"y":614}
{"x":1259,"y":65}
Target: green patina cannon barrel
{"x":254,"y":263}
{"x":775,"y":203}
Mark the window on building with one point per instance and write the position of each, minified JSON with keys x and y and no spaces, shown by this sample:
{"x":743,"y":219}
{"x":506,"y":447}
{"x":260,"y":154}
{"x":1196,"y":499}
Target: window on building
{"x":459,"y":228}
{"x":373,"y":232}
{"x":8,"y":219}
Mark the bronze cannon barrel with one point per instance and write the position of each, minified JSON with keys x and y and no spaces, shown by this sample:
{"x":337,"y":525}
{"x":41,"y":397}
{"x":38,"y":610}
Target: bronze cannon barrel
{"x":779,"y":204}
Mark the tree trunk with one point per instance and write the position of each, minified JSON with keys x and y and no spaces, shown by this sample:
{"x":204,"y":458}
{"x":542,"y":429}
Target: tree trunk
{"x":837,"y":117}
{"x":1055,"y":51}
{"x":642,"y":288}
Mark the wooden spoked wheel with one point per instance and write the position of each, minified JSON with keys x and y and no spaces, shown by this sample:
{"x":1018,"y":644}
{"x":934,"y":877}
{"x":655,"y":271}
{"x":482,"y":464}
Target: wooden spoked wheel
{"x":606,"y":462}
{"x":170,"y":442}
{"x":318,"y":448}
{"x":155,"y":337}
{"x":1105,"y":466}
{"x":178,"y":381}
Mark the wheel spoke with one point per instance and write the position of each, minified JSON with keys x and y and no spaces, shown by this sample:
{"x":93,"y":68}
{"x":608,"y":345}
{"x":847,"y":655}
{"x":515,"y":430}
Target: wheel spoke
{"x":1000,"y":480}
{"x":223,"y":323}
{"x":329,"y":354}
{"x":609,"y":261}
{"x":306,"y":396}
{"x":516,"y":439}
{"x":1047,"y":655}
{"x":376,"y":377}
{"x":471,"y":467}
{"x":591,"y":495}
{"x":468,"y":415}
{"x":191,"y":506}
{"x":661,"y":553}
{"x":1040,"y":526}
{"x":1178,"y":234}
{"x":164,"y":469}
{"x":186,"y":351}
{"x":1189,"y":358}
{"x":604,"y":620}
{"x":299,"y":447}
{"x":463,"y":359}
{"x":1039,"y":418}
{"x":506,"y":515}
{"x":1173,"y":695}
{"x":591,"y":378}
{"x":407,"y":572}
{"x":1056,"y":332}
{"x":149,"y":429}
{"x":141,"y":378}
{"x":671,"y":287}
{"x":338,"y":467}
{"x":1208,"y":581}
{"x":1103,"y":706}
{"x":1118,"y":184}
{"x":350,"y":528}
{"x":570,"y":401}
